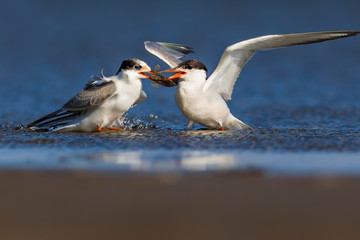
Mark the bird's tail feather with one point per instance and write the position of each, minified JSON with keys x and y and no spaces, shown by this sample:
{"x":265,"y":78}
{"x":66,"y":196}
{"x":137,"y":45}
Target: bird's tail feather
{"x":236,"y":124}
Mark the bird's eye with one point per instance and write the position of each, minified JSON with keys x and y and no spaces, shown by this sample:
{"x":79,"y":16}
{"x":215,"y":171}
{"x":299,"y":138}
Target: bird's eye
{"x":137,"y":67}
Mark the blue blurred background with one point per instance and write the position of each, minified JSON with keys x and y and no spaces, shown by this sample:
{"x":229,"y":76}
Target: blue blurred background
{"x":49,"y":49}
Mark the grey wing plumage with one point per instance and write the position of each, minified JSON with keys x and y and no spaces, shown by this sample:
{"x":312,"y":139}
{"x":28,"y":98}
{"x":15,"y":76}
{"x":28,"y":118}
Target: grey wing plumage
{"x":184,"y":50}
{"x":170,"y":53}
{"x":92,"y":96}
{"x":52,"y":120}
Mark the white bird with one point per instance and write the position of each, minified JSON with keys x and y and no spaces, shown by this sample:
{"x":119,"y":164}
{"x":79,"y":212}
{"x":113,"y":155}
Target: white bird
{"x":203,"y":100}
{"x":103,"y":101}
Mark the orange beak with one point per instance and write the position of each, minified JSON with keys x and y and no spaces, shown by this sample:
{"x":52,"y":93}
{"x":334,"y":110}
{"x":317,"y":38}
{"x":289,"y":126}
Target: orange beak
{"x":177,"y":74}
{"x":146,"y":76}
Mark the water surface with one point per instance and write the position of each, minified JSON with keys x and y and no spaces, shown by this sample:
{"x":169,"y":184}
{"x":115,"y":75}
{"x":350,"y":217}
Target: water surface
{"x":303,"y":102}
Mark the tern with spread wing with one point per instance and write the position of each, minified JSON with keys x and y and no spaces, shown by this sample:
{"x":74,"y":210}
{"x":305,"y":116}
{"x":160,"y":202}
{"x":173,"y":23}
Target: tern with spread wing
{"x":203,"y":100}
{"x":103,"y":101}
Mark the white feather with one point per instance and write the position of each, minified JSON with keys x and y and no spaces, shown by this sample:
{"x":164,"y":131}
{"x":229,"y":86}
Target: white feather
{"x":235,"y":56}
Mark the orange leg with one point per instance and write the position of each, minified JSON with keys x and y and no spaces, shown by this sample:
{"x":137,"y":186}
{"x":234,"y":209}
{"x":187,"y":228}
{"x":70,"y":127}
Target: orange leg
{"x":99,"y":129}
{"x":113,"y":128}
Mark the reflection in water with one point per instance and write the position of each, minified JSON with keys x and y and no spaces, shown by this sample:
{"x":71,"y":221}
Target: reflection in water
{"x":181,"y":160}
{"x":200,"y":161}
{"x":168,"y":160}
{"x":129,"y":160}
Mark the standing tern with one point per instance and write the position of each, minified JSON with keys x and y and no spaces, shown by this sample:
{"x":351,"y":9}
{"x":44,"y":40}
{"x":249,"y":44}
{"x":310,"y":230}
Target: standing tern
{"x":203,"y":100}
{"x":103,"y":101}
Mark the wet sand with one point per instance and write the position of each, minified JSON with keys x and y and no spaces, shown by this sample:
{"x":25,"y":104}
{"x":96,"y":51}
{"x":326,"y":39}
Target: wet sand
{"x":219,"y":205}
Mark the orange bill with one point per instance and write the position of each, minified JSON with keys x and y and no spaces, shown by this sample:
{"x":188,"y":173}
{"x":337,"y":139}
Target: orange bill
{"x":177,"y":74}
{"x":144,"y":74}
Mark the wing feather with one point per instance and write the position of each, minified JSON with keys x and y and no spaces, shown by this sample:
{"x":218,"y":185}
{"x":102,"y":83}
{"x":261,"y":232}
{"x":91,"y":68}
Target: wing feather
{"x":141,"y":98}
{"x":91,"y":97}
{"x":235,"y":56}
{"x":94,"y":94}
{"x":170,"y":53}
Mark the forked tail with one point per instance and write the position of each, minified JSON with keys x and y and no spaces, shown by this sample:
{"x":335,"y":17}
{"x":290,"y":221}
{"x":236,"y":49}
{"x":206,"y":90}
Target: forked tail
{"x":236,"y":124}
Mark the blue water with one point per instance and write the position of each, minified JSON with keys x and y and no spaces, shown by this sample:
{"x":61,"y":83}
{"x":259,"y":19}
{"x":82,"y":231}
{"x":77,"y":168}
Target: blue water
{"x":302,"y":101}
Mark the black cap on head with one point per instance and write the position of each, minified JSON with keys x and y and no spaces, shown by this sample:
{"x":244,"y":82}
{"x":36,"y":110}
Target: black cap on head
{"x":128,"y":64}
{"x":190,"y":64}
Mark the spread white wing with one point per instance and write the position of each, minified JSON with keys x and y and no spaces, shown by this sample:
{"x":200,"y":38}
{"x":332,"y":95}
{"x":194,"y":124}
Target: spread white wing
{"x":235,"y":56}
{"x":170,"y":53}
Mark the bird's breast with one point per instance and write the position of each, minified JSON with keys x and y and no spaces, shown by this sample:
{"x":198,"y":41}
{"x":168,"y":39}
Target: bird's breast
{"x":206,"y":108}
{"x":189,"y":101}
